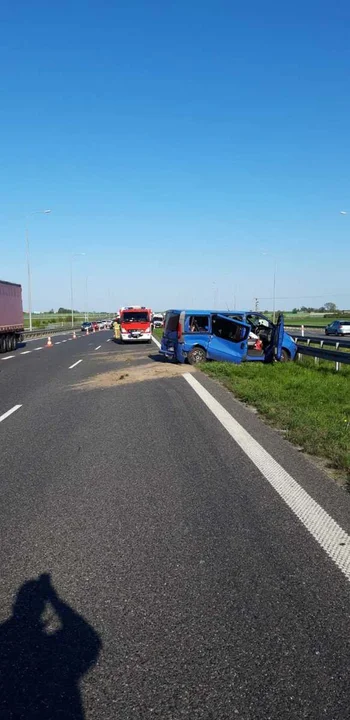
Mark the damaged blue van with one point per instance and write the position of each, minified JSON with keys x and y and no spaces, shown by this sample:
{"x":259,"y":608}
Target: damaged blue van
{"x":195,"y":336}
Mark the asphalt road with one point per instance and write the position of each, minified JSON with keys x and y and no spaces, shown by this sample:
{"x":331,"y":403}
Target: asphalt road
{"x":187,"y":579}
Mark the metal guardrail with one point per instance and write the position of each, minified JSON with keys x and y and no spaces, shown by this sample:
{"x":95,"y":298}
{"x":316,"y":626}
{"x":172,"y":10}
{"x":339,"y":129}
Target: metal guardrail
{"x":39,"y":332}
{"x":324,"y":341}
{"x":336,"y":356}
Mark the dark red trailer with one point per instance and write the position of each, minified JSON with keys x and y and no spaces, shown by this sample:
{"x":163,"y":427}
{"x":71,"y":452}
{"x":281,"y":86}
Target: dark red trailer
{"x":11,"y":315}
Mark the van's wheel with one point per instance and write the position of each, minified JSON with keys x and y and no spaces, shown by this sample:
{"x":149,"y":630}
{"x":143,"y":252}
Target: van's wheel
{"x":196,"y":355}
{"x":285,"y":356}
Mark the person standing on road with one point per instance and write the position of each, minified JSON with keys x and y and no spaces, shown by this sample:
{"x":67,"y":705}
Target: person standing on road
{"x":116,"y":329}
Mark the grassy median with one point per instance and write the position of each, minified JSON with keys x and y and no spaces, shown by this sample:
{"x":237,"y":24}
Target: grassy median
{"x":312,"y":404}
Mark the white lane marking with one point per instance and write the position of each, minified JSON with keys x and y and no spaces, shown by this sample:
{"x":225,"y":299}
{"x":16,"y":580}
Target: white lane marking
{"x":9,"y":412}
{"x":98,"y":347}
{"x":75,"y":364}
{"x":108,"y":340}
{"x":332,"y":538}
{"x":26,"y":352}
{"x":8,"y":357}
{"x":70,"y":338}
{"x":39,"y":348}
{"x":58,"y":343}
{"x":156,"y":342}
{"x":64,"y":341}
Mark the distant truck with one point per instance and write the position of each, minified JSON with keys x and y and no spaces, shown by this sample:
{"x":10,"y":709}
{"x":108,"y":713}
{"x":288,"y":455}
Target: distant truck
{"x":135,"y":323}
{"x":11,"y":316}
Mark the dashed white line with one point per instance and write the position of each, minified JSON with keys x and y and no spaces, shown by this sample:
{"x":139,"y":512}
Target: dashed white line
{"x":9,"y":412}
{"x":75,"y":364}
{"x":8,"y":357}
{"x":39,"y":348}
{"x":58,"y":343}
{"x":330,"y":536}
{"x":98,"y":347}
{"x":109,"y":340}
{"x":156,"y":342}
{"x":26,"y":352}
{"x":64,"y":341}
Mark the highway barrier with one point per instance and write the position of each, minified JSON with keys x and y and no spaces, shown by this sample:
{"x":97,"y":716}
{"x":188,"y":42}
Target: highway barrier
{"x":41,"y":332}
{"x":336,"y":356}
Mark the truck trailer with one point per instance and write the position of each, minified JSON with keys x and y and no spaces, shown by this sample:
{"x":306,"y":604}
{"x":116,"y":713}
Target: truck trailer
{"x":11,"y":316}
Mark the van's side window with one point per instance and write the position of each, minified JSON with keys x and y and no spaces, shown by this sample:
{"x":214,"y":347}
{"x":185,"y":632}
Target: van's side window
{"x":227,"y":330}
{"x":197,"y":324}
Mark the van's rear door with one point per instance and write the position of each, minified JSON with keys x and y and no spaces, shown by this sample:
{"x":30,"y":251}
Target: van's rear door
{"x":170,"y":333}
{"x":229,"y":339}
{"x":274,"y":350}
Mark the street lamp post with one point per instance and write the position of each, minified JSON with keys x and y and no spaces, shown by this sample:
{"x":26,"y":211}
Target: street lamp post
{"x":73,"y":255}
{"x":29,"y":274}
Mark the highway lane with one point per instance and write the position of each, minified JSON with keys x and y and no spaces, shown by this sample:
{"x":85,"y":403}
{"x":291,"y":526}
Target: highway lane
{"x":203,"y":595}
{"x":22,"y":371}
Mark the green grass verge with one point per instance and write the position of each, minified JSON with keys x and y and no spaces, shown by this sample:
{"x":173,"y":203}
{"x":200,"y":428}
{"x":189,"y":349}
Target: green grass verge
{"x":312,"y":404}
{"x":158,"y":332}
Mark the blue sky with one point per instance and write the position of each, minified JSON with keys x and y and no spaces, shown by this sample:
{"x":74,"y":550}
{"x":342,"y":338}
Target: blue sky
{"x":175,"y":143}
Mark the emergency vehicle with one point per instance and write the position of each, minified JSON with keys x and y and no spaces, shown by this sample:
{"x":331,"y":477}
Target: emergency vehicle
{"x":135,"y":323}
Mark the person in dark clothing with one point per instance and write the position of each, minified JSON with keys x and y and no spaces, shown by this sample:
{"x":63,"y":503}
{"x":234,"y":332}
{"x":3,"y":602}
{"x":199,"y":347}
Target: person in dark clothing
{"x":40,"y":669}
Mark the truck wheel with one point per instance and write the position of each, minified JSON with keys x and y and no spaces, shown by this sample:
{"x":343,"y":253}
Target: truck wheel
{"x":13,"y":343}
{"x":196,"y":355}
{"x":2,"y":343}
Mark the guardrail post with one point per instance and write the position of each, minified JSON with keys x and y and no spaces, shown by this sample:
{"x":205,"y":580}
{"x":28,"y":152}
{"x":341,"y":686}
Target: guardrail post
{"x":337,"y":364}
{"x":302,"y":330}
{"x":308,"y":342}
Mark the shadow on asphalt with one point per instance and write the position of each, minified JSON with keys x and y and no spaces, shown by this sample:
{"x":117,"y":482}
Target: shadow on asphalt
{"x":45,"y":649}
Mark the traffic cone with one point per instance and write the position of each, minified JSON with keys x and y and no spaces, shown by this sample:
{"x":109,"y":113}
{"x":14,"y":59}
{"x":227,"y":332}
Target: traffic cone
{"x":49,"y":342}
{"x":74,"y":335}
{"x":258,"y":345}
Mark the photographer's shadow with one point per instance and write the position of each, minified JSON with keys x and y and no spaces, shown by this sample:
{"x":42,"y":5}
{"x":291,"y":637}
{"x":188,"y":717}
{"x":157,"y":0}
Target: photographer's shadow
{"x":45,"y":649}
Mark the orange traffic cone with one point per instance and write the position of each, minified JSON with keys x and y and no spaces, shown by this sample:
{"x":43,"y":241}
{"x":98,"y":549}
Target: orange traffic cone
{"x":74,"y":336}
{"x":49,"y":342}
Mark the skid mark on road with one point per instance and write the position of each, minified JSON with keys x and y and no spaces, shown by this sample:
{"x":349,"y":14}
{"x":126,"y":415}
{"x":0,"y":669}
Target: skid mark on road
{"x":133,"y":374}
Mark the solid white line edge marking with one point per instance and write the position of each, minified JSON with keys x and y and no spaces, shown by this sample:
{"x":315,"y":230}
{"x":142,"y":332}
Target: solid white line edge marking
{"x":332,"y":538}
{"x":156,"y":342}
{"x":9,"y":412}
{"x":75,"y":364}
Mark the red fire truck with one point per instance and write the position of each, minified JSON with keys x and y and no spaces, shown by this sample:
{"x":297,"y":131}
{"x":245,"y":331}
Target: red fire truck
{"x":135,"y":323}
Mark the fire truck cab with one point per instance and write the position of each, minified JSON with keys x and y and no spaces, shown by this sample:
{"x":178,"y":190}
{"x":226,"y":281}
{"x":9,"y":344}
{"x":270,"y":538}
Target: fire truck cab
{"x":135,"y":324}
